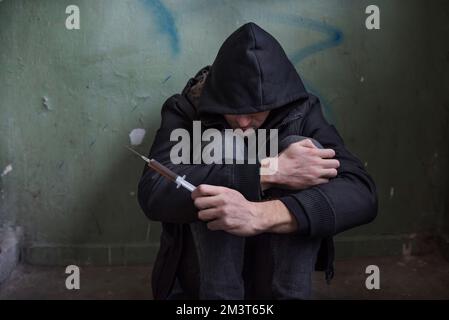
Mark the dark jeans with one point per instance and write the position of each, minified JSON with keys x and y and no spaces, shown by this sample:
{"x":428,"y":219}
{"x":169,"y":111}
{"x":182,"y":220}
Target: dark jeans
{"x":221,"y":257}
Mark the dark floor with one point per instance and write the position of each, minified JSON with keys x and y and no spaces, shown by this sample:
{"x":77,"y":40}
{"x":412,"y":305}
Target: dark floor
{"x":424,"y":277}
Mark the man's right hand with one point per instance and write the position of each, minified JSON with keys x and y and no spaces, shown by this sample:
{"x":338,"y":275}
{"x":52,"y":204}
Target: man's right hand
{"x":300,"y":166}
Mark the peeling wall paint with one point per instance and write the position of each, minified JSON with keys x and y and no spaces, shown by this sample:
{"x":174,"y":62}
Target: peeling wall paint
{"x":7,"y":170}
{"x":136,"y":136}
{"x":46,"y":103}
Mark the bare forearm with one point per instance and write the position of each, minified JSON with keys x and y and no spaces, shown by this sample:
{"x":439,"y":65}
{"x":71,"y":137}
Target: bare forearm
{"x":275,"y":217}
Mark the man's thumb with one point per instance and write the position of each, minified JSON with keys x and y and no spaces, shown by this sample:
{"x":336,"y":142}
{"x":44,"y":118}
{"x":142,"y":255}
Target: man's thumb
{"x":307,"y":143}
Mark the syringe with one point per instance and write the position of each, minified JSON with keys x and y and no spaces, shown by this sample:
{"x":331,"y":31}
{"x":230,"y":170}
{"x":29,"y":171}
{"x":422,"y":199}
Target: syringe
{"x":166,"y":172}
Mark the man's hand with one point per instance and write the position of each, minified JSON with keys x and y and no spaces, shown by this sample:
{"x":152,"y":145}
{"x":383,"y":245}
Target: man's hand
{"x":302,"y":165}
{"x":228,"y":210}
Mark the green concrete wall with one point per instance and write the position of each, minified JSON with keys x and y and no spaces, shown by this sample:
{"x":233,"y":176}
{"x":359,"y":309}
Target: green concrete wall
{"x":73,"y":185}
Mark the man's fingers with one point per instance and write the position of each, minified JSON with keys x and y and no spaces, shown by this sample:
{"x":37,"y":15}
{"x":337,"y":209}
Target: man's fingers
{"x":321,"y":181}
{"x":208,"y":214}
{"x":206,"y":190}
{"x":217,"y":224}
{"x":325,"y":153}
{"x":330,"y":163}
{"x":329,"y":173}
{"x":307,"y":143}
{"x":206,"y":202}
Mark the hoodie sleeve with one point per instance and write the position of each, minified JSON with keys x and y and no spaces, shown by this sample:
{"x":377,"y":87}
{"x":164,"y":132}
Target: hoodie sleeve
{"x":160,"y":199}
{"x":346,"y":201}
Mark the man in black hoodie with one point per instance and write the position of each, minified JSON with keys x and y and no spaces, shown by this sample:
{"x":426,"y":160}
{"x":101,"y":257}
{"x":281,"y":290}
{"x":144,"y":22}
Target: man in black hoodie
{"x":253,"y":84}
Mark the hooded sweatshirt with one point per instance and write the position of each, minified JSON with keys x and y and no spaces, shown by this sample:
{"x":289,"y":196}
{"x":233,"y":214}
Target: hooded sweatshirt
{"x":251,"y":73}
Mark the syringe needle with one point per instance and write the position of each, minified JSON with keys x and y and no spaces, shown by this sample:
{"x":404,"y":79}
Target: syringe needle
{"x":143,"y":157}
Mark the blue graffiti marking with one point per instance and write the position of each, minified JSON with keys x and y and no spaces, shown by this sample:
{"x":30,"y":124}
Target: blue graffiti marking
{"x":333,"y":39}
{"x":165,"y":22}
{"x":166,"y":79}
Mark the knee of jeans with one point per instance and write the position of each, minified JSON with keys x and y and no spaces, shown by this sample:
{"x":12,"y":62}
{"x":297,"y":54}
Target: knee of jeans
{"x":284,"y":143}
{"x":297,"y":288}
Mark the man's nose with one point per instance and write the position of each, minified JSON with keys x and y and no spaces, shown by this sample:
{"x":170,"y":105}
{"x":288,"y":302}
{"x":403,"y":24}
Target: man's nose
{"x":243,"y":121}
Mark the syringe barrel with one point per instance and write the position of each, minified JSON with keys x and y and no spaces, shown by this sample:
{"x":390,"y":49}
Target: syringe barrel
{"x":180,"y":181}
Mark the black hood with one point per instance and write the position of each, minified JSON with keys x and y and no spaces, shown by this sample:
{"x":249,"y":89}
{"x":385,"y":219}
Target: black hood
{"x":251,"y":73}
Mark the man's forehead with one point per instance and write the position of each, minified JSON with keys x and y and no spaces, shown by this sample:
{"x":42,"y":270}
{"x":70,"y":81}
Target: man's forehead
{"x":248,"y":114}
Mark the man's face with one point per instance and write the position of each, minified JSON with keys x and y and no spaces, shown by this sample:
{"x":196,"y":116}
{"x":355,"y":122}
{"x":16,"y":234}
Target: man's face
{"x":246,"y":121}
